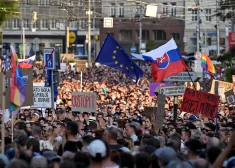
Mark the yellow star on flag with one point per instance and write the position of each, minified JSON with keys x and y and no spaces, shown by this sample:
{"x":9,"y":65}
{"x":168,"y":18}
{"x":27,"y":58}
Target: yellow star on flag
{"x":132,"y":67}
{"x":117,"y":47}
{"x":114,"y":57}
{"x":121,"y":65}
{"x":115,"y":51}
{"x":116,"y":62}
{"x":127,"y":68}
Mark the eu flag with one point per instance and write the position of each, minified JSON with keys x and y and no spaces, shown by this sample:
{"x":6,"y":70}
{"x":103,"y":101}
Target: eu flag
{"x":113,"y":55}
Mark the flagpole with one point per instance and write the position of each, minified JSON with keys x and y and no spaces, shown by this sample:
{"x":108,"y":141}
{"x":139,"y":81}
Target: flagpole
{"x":3,"y":111}
{"x":81,"y":82}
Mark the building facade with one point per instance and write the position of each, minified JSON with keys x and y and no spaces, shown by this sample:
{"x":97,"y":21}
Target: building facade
{"x":49,"y":30}
{"x":208,"y":27}
{"x":155,"y":31}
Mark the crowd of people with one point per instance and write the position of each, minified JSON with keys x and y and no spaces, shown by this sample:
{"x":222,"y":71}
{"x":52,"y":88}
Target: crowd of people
{"x":120,"y":133}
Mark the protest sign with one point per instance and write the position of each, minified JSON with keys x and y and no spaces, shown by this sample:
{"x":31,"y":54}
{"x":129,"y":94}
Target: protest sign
{"x":196,"y":102}
{"x":230,"y":98}
{"x":153,"y":86}
{"x":42,"y":97}
{"x":84,"y":101}
{"x":217,"y":85}
{"x":28,"y":79}
{"x":160,"y":110}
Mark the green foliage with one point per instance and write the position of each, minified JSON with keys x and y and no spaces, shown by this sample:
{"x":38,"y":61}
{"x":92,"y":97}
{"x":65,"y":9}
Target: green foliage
{"x":151,"y":45}
{"x":227,"y":57}
{"x":229,"y":73}
{"x":7,"y":9}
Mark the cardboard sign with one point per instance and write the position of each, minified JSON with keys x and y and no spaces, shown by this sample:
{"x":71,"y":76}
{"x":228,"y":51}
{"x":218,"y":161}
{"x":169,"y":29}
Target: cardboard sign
{"x":42,"y":97}
{"x":217,"y":88}
{"x":196,"y":102}
{"x":160,"y":110}
{"x":230,"y":97}
{"x":84,"y":101}
{"x":28,"y":79}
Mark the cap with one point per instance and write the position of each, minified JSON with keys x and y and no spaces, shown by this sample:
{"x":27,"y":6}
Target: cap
{"x":192,"y":117}
{"x":51,"y":155}
{"x":230,"y":163}
{"x":97,"y":147}
{"x":166,"y":154}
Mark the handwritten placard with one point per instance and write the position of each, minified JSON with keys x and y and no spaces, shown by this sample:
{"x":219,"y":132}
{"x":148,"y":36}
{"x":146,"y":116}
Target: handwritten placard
{"x":196,"y":102}
{"x":84,"y":101}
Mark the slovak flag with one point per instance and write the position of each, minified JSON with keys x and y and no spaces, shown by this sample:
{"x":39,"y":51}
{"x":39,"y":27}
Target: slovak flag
{"x":26,"y":63}
{"x":166,"y":61}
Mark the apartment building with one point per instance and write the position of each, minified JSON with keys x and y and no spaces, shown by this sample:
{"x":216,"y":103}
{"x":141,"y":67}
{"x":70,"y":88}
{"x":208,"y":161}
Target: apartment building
{"x":49,"y":29}
{"x":127,"y":13}
{"x":208,"y":27}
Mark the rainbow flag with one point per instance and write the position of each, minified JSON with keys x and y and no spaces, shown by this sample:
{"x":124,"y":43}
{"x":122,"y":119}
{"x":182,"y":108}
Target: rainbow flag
{"x":207,"y":64}
{"x":17,"y":93}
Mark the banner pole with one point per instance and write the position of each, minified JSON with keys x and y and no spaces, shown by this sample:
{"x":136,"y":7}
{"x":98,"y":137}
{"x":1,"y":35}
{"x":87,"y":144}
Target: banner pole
{"x":3,"y":111}
{"x":175,"y":108}
{"x":81,"y":83}
{"x":52,"y":90}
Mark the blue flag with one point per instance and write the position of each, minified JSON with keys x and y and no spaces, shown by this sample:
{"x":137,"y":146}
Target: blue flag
{"x":113,"y":55}
{"x":31,"y":53}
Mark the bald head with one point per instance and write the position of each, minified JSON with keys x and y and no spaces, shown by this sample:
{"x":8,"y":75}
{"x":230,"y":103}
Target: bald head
{"x":213,"y":142}
{"x":201,"y":163}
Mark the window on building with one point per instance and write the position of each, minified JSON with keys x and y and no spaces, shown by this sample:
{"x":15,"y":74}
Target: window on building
{"x":27,"y":3}
{"x":173,"y":9}
{"x":208,"y":15}
{"x":53,"y":24}
{"x":73,"y":25}
{"x":194,"y":15}
{"x":93,"y":24}
{"x":26,"y":23}
{"x":43,"y":2}
{"x":159,"y":35}
{"x":82,"y":24}
{"x":15,"y":24}
{"x":176,"y":36}
{"x":6,"y":24}
{"x":222,"y":41}
{"x":145,"y":34}
{"x":165,"y":9}
{"x":44,"y":23}
{"x":125,"y":35}
{"x":121,"y":10}
{"x":113,"y":9}
{"x":36,"y":24}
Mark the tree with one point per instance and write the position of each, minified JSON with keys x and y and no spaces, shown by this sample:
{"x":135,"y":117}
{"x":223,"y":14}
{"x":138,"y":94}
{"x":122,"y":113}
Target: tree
{"x":229,"y":73}
{"x":226,"y":10}
{"x":7,"y":9}
{"x":151,"y":45}
{"x":227,"y":57}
